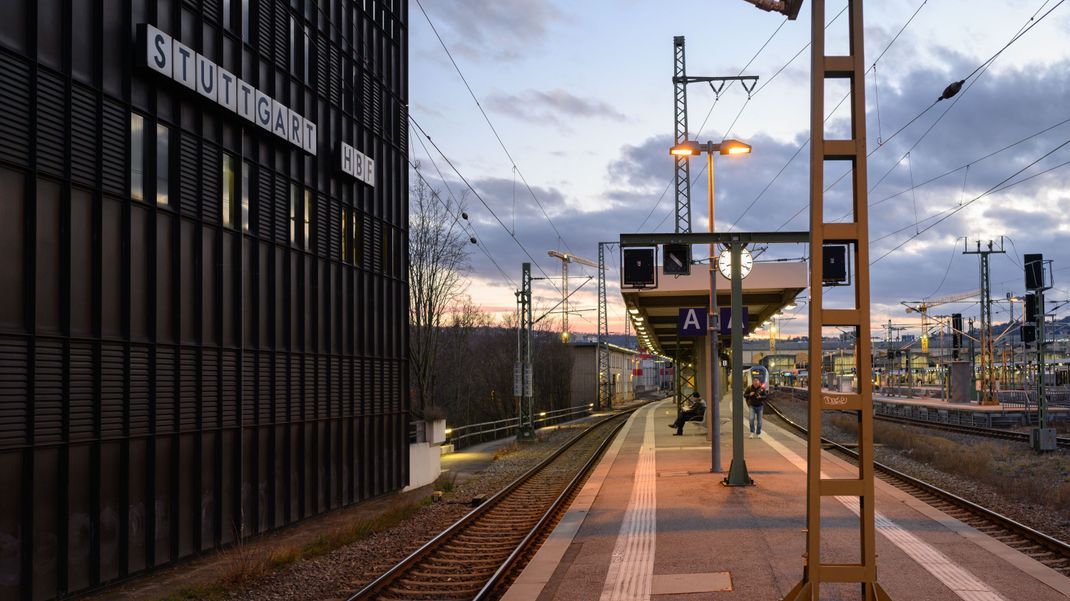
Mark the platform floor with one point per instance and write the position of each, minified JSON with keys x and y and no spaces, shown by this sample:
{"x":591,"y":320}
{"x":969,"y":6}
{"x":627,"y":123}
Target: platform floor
{"x":653,"y":523}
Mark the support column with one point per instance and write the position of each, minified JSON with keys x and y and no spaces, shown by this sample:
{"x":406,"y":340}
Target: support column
{"x":854,"y":234}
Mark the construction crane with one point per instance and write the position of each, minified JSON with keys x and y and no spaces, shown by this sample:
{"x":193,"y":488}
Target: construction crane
{"x":567,"y":258}
{"x":923,"y":307}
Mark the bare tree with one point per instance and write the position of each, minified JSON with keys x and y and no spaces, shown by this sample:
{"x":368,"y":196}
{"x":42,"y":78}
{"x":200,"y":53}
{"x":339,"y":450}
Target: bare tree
{"x":438,"y":257}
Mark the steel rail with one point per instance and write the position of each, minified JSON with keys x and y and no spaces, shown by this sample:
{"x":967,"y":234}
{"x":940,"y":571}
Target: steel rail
{"x":380,"y":584}
{"x":1062,"y":441}
{"x":1054,"y":545}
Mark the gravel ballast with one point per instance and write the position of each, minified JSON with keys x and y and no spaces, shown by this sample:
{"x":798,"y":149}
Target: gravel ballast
{"x":1014,"y":461}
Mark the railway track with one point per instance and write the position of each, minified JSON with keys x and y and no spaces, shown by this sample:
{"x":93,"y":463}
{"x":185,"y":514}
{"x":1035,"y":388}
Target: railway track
{"x":1047,"y":550}
{"x":1062,"y":441}
{"x":477,"y":557}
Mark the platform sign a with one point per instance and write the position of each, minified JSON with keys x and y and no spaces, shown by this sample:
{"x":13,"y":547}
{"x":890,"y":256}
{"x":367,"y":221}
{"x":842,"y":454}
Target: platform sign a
{"x":692,"y":321}
{"x":726,"y":321}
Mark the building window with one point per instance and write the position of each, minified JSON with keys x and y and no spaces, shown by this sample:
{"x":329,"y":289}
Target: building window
{"x":293,"y":45}
{"x":308,"y":219}
{"x":230,"y":206}
{"x":295,"y":198}
{"x":354,"y":239}
{"x":388,"y":256}
{"x":345,"y":234}
{"x":246,"y":191}
{"x":245,"y":19}
{"x":137,"y":157}
{"x":228,"y":15}
{"x":163,"y":165}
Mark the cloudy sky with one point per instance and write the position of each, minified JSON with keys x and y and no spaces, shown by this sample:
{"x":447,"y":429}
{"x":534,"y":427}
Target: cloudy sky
{"x":580,"y":94}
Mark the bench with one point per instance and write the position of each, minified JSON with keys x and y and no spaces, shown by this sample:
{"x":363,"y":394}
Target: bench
{"x":699,"y":419}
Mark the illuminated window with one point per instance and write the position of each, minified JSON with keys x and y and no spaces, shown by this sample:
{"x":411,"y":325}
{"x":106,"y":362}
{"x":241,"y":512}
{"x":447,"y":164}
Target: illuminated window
{"x":295,"y":198}
{"x":137,"y":157}
{"x":230,"y":205}
{"x":308,"y":219}
{"x":246,"y":191}
{"x":345,"y":234}
{"x":163,"y":165}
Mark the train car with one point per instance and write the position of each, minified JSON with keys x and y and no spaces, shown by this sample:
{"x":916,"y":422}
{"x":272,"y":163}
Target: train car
{"x":757,"y":371}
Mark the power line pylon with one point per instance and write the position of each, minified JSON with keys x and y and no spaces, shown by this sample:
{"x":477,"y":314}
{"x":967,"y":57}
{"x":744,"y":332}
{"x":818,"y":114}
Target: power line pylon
{"x":603,"y":401}
{"x":523,"y":380}
{"x":567,"y":258}
{"x":682,"y":187}
{"x":988,"y":373}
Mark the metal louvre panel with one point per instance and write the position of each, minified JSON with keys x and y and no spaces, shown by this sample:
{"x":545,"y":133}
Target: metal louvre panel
{"x":84,"y":131}
{"x":265,"y":201}
{"x":335,"y":77}
{"x":166,"y":390}
{"x":377,"y":108}
{"x":211,"y":176}
{"x":48,"y":391}
{"x":209,"y":388}
{"x":403,"y":129}
{"x":231,"y":377}
{"x":187,"y":389}
{"x":282,"y":388}
{"x":310,"y":399}
{"x":366,"y":93}
{"x":51,"y":124}
{"x":113,"y":154}
{"x":265,"y":391}
{"x":248,"y":391}
{"x":282,"y":34}
{"x":376,"y":239}
{"x":281,"y":202}
{"x":139,"y":390}
{"x":359,"y":378}
{"x":15,"y":106}
{"x":323,"y":53}
{"x":82,"y":422}
{"x":337,"y":375}
{"x":296,"y":388}
{"x":332,"y":214}
{"x":189,"y":174}
{"x":111,"y":389}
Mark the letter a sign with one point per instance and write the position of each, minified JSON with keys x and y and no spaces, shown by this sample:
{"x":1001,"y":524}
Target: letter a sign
{"x":692,"y":321}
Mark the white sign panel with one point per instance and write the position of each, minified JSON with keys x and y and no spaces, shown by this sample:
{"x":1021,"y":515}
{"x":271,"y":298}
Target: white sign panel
{"x":179,"y":62}
{"x":356,"y":164}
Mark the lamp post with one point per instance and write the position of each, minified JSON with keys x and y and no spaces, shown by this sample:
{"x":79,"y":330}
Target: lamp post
{"x":689,"y":149}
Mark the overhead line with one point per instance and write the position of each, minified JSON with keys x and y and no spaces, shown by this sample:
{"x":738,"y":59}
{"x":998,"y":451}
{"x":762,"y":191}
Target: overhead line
{"x":833,"y":112}
{"x":716,"y":99}
{"x":996,"y":188}
{"x":481,"y":200}
{"x":491,"y":124}
{"x":445,"y":183}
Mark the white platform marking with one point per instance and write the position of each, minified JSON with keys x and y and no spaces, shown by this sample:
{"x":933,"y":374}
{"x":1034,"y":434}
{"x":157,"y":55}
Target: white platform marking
{"x":631,"y":568}
{"x":961,"y":581}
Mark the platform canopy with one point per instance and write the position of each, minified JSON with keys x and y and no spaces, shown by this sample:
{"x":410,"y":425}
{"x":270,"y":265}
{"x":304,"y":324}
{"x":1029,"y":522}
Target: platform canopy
{"x":767,"y":289}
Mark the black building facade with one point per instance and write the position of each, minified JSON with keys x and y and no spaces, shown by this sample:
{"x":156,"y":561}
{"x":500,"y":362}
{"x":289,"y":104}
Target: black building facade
{"x":203,"y":242}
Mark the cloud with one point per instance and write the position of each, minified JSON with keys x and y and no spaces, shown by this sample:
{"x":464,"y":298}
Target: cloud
{"x":491,"y":29}
{"x":553,"y":106}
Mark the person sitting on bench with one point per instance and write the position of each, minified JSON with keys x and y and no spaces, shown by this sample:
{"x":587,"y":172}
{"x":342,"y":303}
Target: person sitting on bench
{"x":695,"y":412}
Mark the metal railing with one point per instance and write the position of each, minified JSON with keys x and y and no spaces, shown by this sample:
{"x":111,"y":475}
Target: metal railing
{"x":470,"y":434}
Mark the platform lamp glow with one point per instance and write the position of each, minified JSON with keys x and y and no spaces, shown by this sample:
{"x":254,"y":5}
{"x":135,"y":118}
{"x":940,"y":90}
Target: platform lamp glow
{"x":851,"y":66}
{"x":690,"y":149}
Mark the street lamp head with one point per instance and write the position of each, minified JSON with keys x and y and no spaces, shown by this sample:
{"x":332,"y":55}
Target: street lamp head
{"x":734,"y":147}
{"x":685,"y":149}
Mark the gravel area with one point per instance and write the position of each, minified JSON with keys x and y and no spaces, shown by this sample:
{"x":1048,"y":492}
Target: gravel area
{"x":1042,"y":475}
{"x":343,"y":571}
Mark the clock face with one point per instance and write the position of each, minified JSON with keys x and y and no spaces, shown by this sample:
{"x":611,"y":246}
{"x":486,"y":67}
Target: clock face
{"x":724,"y":263}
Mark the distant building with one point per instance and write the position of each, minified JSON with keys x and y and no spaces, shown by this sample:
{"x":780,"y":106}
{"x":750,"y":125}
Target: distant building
{"x":629,"y":373}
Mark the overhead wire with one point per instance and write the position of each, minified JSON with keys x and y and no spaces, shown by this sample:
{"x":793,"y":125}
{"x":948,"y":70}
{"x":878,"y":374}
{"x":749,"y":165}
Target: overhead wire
{"x":493,"y":129}
{"x":716,"y":99}
{"x":838,"y":104}
{"x":449,"y":190}
{"x":996,"y":188}
{"x":481,"y":200}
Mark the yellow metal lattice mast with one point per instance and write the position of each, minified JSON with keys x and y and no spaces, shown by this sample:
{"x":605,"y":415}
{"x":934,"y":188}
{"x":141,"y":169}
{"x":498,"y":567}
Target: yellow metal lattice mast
{"x":855,"y":235}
